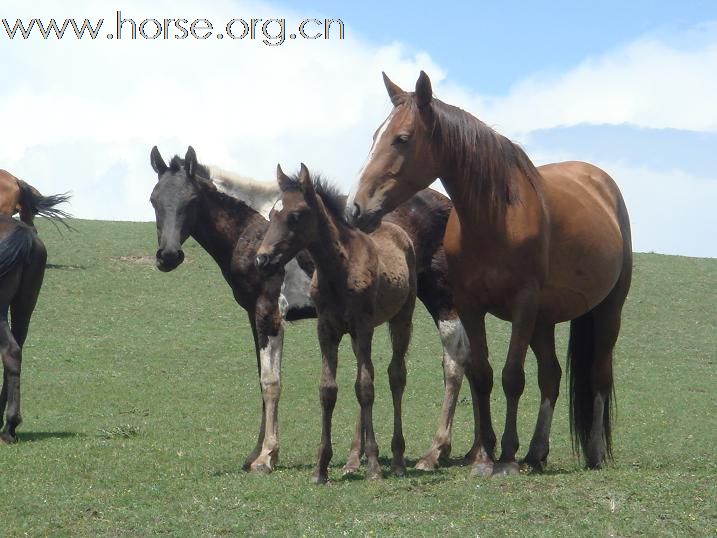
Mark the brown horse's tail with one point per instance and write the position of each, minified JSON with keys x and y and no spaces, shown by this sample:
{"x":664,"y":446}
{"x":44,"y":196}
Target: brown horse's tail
{"x":581,"y":358}
{"x":37,"y":204}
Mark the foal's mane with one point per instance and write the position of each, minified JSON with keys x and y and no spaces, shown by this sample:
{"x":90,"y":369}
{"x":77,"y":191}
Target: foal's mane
{"x":333,"y":199}
{"x":484,"y":160}
{"x":203,"y":177}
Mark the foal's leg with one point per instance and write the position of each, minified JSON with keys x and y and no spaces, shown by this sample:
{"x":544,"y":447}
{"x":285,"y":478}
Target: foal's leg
{"x":456,"y":356}
{"x":353,"y":461}
{"x":329,"y":340}
{"x":514,"y":379}
{"x":400,"y":329}
{"x":549,"y":374}
{"x":365,"y":394}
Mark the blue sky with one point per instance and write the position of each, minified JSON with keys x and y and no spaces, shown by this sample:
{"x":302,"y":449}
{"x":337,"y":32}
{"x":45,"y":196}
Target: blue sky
{"x":629,"y":86}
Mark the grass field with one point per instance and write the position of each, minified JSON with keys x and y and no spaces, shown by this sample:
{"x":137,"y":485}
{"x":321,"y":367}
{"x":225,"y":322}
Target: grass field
{"x":140,"y":402}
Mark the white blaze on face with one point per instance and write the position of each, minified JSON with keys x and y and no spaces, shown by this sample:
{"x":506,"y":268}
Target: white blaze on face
{"x":278,"y":206}
{"x":379,"y":136}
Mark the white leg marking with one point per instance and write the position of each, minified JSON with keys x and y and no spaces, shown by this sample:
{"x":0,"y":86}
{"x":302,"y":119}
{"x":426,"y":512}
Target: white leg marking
{"x":455,"y":341}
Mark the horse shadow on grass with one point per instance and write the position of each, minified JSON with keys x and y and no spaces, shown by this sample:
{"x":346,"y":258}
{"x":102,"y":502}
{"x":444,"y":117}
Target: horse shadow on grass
{"x":65,"y":267}
{"x":24,"y":437}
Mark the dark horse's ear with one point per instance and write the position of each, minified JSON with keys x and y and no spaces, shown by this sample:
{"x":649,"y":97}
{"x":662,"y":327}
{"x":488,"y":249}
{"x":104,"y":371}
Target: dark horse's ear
{"x":307,"y":187}
{"x":284,"y":181}
{"x":424,"y":92}
{"x":190,"y":162}
{"x":396,"y":94}
{"x":158,"y":164}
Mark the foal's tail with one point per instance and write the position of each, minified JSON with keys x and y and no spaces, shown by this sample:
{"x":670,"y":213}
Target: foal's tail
{"x":34,"y":202}
{"x":15,"y":248}
{"x":581,"y":361}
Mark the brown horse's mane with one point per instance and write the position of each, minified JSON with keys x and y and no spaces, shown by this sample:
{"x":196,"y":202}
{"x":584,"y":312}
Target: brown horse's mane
{"x":484,"y":160}
{"x":202,"y":176}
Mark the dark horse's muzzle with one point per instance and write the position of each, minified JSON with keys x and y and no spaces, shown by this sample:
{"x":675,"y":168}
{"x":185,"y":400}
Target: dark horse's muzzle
{"x":169,"y":259}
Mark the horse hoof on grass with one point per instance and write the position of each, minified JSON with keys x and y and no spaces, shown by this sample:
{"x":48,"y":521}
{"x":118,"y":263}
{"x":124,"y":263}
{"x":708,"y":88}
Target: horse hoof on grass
{"x":506,"y":469}
{"x":482,"y":469}
{"x":261,"y":468}
{"x":426,"y":464}
{"x":7,"y":439}
{"x":319,"y":478}
{"x":350,"y":469}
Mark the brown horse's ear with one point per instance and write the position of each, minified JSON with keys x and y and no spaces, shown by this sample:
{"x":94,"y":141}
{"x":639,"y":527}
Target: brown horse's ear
{"x":190,"y":162}
{"x":307,"y":187}
{"x":424,"y":92}
{"x":282,"y":179}
{"x":158,"y":164}
{"x":396,"y":94}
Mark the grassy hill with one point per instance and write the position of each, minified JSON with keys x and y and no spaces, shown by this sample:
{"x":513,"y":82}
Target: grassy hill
{"x":141,"y":400}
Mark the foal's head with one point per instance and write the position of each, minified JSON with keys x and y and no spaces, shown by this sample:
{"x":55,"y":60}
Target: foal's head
{"x":175,"y":198}
{"x":293,"y":220}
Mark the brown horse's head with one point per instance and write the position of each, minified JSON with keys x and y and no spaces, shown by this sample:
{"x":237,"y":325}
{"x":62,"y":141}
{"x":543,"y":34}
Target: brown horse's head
{"x":293,"y":221}
{"x":401,"y":160}
{"x":175,"y":198}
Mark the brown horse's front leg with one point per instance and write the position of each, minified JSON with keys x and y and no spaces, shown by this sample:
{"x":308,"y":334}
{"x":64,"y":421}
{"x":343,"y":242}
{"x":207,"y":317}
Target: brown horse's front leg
{"x":329,"y":340}
{"x":361,"y":343}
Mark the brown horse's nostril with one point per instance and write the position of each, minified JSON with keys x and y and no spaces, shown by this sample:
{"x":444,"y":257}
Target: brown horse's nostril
{"x":262,"y":260}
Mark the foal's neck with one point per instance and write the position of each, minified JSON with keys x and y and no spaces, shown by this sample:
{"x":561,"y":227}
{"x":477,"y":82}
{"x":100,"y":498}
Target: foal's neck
{"x":330,"y":248}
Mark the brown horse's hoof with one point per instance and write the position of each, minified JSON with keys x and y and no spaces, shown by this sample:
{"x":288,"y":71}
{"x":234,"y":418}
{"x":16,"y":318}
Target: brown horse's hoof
{"x":398,"y":469}
{"x":7,"y":439}
{"x":506,"y":469}
{"x":374,"y":476}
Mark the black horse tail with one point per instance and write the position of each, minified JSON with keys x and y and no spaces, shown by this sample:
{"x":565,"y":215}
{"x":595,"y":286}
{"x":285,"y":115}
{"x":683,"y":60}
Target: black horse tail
{"x":581,"y":358}
{"x":16,"y":248}
{"x":45,"y":206}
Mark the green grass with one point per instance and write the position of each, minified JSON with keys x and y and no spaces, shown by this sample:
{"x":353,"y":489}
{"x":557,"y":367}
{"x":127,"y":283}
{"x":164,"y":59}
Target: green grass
{"x":141,"y":400}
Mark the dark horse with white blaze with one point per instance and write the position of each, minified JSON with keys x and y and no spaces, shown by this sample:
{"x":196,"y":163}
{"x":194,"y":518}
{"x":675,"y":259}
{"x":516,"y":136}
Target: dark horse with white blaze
{"x":190,"y":199}
{"x":361,"y":281}
{"x":22,"y":268}
{"x":534,"y":246}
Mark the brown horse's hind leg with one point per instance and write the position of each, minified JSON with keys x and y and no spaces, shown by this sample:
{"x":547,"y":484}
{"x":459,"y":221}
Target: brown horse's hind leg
{"x":549,"y":374}
{"x":10,"y":395}
{"x":456,"y":355}
{"x":353,"y":461}
{"x":607,"y":328}
{"x":260,"y":441}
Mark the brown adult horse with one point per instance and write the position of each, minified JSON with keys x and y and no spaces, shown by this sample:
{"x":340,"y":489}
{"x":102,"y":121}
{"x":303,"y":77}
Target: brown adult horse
{"x":361,"y":281}
{"x":16,"y":196}
{"x":535,"y":246}
{"x":22,"y":268}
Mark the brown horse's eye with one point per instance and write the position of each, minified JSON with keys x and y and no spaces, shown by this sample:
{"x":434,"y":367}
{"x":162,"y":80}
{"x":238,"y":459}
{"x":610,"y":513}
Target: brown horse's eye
{"x":400,"y":139}
{"x":293,"y":219}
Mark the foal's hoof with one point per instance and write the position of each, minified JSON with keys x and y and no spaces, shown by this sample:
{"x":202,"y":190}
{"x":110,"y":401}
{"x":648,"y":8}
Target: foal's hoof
{"x":533,"y":465}
{"x":319,"y":478}
{"x":429,"y":462}
{"x":506,"y":469}
{"x":261,"y":468}
{"x":484,"y":468}
{"x":374,"y":476}
{"x":350,"y":468}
